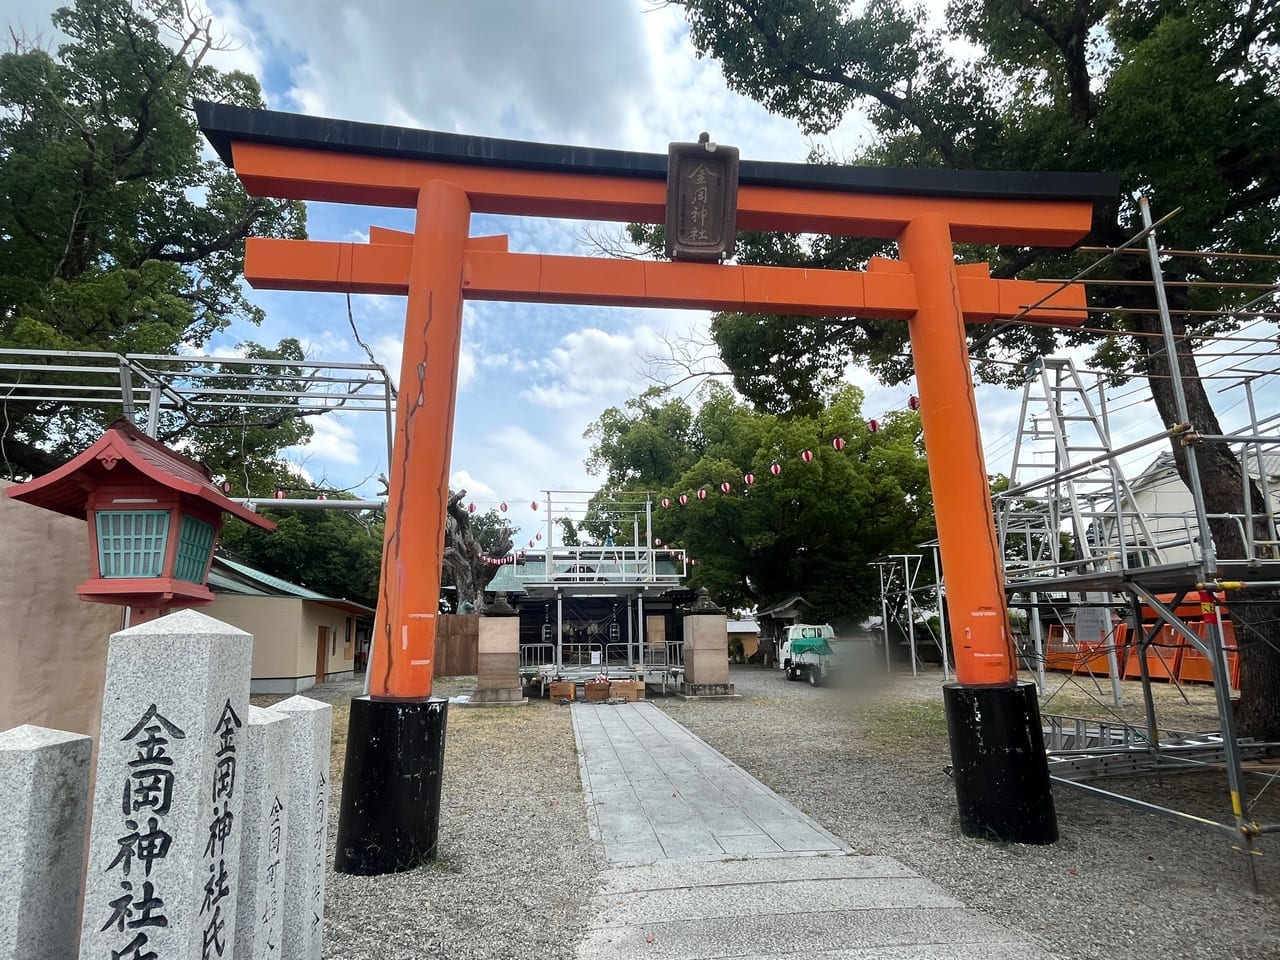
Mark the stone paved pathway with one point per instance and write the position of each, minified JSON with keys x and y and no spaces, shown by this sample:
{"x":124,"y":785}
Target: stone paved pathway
{"x":706,"y":863}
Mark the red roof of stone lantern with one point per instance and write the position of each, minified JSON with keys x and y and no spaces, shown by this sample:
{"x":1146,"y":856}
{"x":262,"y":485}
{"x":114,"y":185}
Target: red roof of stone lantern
{"x":65,"y":489}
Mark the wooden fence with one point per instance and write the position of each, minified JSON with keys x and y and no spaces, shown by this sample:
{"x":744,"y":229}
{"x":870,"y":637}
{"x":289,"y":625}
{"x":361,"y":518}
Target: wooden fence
{"x":457,"y":645}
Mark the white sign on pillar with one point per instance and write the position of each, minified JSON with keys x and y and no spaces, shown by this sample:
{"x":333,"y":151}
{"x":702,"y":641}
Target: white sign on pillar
{"x":164,"y":847}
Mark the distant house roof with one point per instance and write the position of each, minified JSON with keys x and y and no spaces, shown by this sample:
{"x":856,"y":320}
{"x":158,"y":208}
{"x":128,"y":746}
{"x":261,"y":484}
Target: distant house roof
{"x":787,"y":608}
{"x":237,"y":577}
{"x":742,"y":626}
{"x":1162,"y":468}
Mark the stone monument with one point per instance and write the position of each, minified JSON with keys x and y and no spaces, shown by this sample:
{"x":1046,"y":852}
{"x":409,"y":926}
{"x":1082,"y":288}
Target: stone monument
{"x":498,"y":663}
{"x":706,"y":650}
{"x":307,"y":829}
{"x":260,"y":909}
{"x":44,"y":792}
{"x":164,"y":849}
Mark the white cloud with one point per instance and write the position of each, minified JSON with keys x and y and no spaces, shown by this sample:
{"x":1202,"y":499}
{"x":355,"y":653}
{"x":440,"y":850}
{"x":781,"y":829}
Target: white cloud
{"x":567,"y":70}
{"x":592,"y":364}
{"x":333,"y":442}
{"x":476,"y":489}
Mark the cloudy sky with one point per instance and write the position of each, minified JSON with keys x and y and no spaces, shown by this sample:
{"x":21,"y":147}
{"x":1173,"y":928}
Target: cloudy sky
{"x":608,"y":73}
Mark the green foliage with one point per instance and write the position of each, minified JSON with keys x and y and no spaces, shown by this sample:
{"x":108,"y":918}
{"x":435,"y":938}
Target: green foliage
{"x":333,"y":552}
{"x":813,"y":529}
{"x":116,"y":234}
{"x":1179,"y":98}
{"x":493,"y":532}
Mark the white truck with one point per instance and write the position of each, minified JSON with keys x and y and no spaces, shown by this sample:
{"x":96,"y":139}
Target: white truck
{"x":806,"y":652}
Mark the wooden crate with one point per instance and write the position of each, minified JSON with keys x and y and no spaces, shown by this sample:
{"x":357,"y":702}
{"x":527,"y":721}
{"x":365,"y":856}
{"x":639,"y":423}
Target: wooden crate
{"x":597,"y":692}
{"x":630,"y":690}
{"x":563,"y":690}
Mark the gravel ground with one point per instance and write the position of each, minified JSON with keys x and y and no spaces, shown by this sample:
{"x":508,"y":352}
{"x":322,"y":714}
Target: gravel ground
{"x":517,"y":867}
{"x":867,"y":764}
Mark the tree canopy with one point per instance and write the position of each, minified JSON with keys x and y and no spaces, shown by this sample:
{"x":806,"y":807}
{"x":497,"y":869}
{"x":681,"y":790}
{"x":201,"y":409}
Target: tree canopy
{"x":334,"y":552}
{"x":811,"y":529}
{"x":117,"y":233}
{"x":1180,"y":98}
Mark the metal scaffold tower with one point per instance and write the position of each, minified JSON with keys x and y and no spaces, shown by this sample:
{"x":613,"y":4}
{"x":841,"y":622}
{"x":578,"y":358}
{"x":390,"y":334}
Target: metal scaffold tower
{"x":1064,"y":483}
{"x":1080,"y":538}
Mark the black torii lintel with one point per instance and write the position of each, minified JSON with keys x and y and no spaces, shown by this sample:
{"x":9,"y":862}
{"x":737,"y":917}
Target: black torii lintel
{"x":223,"y":124}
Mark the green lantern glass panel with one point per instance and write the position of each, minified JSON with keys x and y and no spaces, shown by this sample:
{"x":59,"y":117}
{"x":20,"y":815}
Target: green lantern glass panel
{"x":131,"y":542}
{"x":195,"y":543}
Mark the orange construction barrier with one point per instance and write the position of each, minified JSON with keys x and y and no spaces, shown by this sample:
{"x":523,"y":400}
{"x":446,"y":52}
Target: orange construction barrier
{"x":1195,"y":666}
{"x":1092,"y":657}
{"x":1060,"y":651}
{"x":1163,"y":655}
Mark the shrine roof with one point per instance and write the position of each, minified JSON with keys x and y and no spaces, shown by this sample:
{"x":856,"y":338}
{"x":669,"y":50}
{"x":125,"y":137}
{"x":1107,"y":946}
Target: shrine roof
{"x":228,"y":575}
{"x":63,"y":490}
{"x":225,"y":124}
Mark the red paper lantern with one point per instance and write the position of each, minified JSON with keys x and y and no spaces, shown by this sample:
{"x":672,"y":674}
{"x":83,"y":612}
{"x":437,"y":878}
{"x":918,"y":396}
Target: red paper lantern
{"x":913,"y":402}
{"x":471,"y":508}
{"x":873,"y":425}
{"x":534,"y":505}
{"x":838,"y":443}
{"x":702,"y":493}
{"x":684,"y":498}
{"x":749,"y":479}
{"x":503,"y":506}
{"x":666,"y":502}
{"x":807,"y":456}
{"x":776,"y":469}
{"x":321,"y":496}
{"x":279,"y":494}
{"x":726,"y":486}
{"x":537,"y":536}
{"x":226,"y":486}
{"x":657,"y":542}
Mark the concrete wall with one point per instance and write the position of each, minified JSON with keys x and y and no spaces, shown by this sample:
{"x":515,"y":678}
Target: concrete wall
{"x":53,"y":645}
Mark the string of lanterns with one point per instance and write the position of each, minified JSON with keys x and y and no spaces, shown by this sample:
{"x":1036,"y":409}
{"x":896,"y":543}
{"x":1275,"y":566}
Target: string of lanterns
{"x":775,"y":468}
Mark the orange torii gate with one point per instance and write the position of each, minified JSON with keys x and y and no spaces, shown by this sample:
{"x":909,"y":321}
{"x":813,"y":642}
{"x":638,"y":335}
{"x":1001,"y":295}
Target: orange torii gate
{"x":1000,"y":773}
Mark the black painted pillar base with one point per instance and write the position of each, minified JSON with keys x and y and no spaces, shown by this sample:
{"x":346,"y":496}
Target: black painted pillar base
{"x":390,"y":816}
{"x":998,"y":763}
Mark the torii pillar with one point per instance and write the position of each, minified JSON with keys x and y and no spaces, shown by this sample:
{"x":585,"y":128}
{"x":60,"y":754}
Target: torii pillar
{"x":391,"y":788}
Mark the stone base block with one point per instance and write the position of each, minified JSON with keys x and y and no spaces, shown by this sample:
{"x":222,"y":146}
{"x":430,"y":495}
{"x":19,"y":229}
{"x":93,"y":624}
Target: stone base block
{"x":497,"y":697}
{"x":497,"y":671}
{"x":707,"y":691}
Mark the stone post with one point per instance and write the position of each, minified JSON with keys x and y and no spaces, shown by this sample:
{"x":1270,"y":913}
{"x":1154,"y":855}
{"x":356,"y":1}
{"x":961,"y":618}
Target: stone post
{"x":44,"y":799}
{"x":164,"y":849}
{"x":706,"y":650}
{"x":260,"y":910}
{"x":307,"y":834}
{"x":498,"y":670}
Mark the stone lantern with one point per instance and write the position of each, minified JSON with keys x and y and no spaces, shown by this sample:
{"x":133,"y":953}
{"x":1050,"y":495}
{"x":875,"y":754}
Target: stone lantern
{"x":153,"y":520}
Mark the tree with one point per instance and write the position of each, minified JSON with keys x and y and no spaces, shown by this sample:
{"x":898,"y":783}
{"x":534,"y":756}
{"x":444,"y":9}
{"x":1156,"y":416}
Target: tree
{"x":812,"y":529}
{"x":333,"y":552}
{"x":1178,"y":97}
{"x":116,"y":233}
{"x":468,"y":540}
